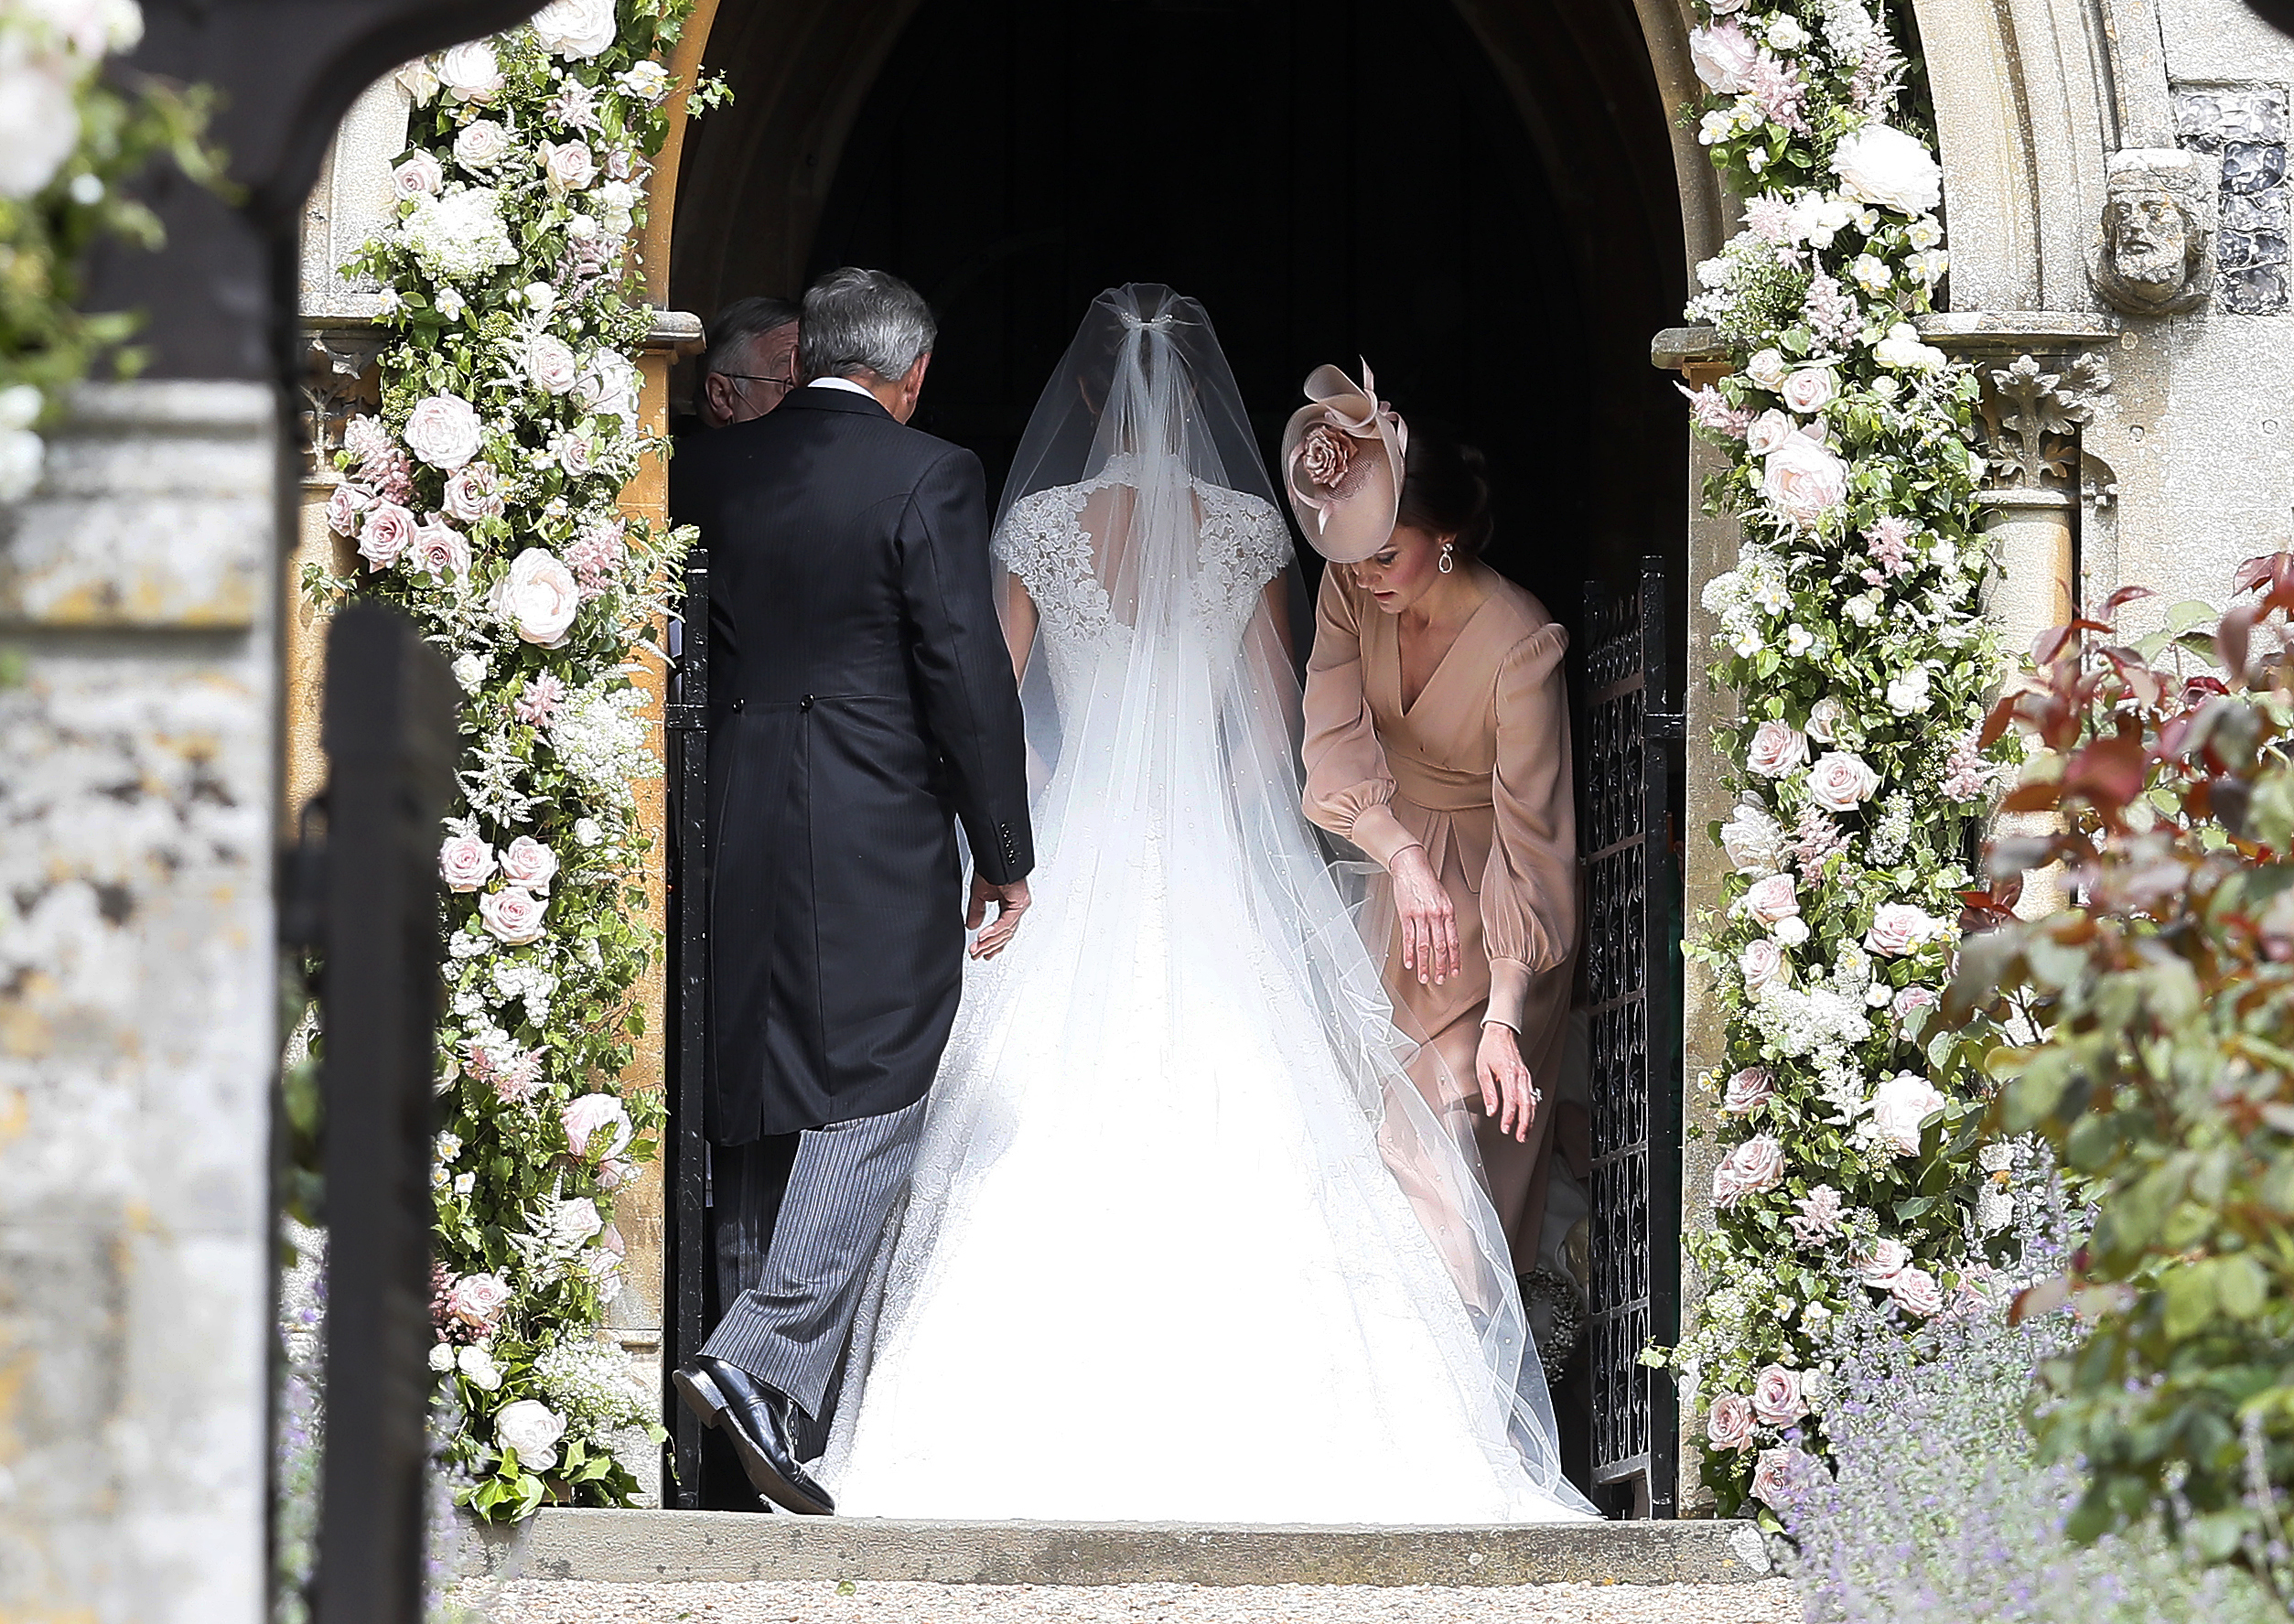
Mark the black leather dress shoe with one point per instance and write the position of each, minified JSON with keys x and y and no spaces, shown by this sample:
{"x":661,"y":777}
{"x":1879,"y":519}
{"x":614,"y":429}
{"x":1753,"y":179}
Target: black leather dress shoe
{"x":753,"y":1417}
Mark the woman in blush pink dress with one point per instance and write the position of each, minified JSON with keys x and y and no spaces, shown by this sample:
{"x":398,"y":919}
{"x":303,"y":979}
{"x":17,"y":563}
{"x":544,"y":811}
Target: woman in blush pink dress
{"x":1437,"y":743}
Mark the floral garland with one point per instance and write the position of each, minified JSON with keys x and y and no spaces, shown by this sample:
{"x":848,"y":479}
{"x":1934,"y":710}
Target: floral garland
{"x":483,"y":502}
{"x":1851,"y":637}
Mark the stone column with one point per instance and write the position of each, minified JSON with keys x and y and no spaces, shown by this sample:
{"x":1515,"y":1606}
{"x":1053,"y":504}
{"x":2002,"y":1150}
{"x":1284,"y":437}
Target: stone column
{"x":138,"y":1003}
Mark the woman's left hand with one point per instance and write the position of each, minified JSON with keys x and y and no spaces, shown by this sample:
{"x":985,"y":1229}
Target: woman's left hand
{"x":1507,"y":1092}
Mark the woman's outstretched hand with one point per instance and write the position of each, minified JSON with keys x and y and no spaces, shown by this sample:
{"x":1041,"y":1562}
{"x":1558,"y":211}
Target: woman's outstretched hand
{"x":1430,"y":925}
{"x":1507,"y":1092}
{"x":1011,"y":900}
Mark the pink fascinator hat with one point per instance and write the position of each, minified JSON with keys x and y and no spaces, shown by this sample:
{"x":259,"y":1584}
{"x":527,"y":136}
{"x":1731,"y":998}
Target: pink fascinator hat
{"x":1342,"y":459}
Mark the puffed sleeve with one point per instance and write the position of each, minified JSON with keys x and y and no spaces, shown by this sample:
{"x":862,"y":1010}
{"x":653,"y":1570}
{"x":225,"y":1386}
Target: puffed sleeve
{"x":1348,"y":782}
{"x":1529,"y":891}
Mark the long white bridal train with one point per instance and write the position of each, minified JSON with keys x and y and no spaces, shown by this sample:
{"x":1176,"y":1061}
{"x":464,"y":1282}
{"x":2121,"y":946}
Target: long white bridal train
{"x":1183,"y":1243}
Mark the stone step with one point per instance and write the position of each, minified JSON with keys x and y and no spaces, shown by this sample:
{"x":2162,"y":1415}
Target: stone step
{"x":653,"y":1547}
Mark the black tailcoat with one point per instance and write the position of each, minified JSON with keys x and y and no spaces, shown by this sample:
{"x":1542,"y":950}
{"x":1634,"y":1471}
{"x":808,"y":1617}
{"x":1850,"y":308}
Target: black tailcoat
{"x":861,"y":702}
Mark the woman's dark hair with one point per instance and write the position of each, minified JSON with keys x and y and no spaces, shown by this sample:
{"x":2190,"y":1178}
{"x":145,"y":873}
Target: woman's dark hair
{"x":1445,"y":489}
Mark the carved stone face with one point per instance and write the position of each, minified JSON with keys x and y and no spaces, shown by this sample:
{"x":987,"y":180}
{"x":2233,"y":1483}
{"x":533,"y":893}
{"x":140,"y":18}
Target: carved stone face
{"x":2149,"y":237}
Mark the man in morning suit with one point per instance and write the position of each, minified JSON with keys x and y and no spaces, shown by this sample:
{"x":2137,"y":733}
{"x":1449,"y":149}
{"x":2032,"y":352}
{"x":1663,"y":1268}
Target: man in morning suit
{"x":861,"y":704}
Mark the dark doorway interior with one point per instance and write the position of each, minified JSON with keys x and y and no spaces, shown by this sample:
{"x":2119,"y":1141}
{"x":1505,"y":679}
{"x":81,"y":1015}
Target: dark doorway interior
{"x":1477,"y":196}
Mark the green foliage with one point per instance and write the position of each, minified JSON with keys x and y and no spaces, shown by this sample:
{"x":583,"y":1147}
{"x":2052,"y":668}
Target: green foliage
{"x":2147,"y":1032}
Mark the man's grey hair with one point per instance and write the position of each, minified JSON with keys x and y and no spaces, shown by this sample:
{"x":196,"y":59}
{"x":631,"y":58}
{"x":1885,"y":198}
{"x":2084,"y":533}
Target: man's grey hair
{"x":736,"y":325}
{"x":860,"y":322}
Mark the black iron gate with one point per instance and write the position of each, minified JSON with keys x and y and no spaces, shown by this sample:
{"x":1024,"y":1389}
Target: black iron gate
{"x":687,"y":1170}
{"x":1627,"y":771}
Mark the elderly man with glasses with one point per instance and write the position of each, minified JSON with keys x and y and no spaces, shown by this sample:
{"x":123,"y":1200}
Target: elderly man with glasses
{"x":750,"y":364}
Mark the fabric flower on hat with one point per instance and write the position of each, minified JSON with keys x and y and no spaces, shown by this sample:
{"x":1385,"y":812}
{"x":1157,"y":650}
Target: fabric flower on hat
{"x":1342,"y":465}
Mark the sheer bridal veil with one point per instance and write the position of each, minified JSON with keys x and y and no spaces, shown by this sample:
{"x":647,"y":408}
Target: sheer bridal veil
{"x":1163,"y":709}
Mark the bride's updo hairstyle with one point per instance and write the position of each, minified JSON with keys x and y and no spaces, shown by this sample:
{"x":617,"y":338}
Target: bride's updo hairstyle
{"x":1445,"y":489}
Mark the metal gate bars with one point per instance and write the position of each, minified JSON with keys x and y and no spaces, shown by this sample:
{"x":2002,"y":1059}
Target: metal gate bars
{"x":1626,"y":773}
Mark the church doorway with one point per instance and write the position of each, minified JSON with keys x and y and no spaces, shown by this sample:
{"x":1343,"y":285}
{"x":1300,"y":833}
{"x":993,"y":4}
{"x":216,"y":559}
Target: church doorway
{"x":1477,"y":197}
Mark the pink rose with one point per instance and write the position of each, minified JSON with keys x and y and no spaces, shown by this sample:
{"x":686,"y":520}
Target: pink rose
{"x":1776,"y":1397}
{"x":1770,"y":899}
{"x":1761,"y":962}
{"x":473,"y":493}
{"x":1723,"y":55}
{"x":418,"y":176}
{"x":1776,"y":1476}
{"x":616,"y":1172}
{"x":1888,"y":1258}
{"x":567,"y":168}
{"x":1911,"y":1000}
{"x":585,"y":1118}
{"x":1824,"y":720}
{"x":1749,"y":1090}
{"x":344,"y":506}
{"x":1916,"y":1292}
{"x":1802,"y":481}
{"x":513,"y":915}
{"x":478,"y":1300}
{"x":527,"y":862}
{"x":1809,"y":390}
{"x":1752,"y":1168}
{"x":574,"y":452}
{"x":465,"y":862}
{"x":1771,"y":429}
{"x":1777,"y":749}
{"x":1325,"y":454}
{"x":540,"y":700}
{"x":471,"y":72}
{"x":1729,"y":1423}
{"x":444,"y":431}
{"x":550,"y":365}
{"x":1841,"y":782}
{"x":385,"y":534}
{"x":540,"y":596}
{"x":438,"y":550}
{"x":1898,"y":928}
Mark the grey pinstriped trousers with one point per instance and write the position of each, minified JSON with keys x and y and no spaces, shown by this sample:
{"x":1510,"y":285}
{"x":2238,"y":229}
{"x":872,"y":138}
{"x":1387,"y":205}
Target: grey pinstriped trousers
{"x":789,"y":1327}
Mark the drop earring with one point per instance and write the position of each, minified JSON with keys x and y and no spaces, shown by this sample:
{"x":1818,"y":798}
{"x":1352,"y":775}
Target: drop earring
{"x":1446,"y":562}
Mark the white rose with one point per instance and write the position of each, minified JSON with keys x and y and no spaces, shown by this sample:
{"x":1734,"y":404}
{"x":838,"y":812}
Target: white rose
{"x":1884,"y":166}
{"x":1770,"y":899}
{"x":574,"y":30}
{"x":1907,"y":694}
{"x":591,"y":1116}
{"x":1864,"y":607}
{"x":442,"y":1356}
{"x":419,"y":80}
{"x":1807,"y":390}
{"x":1841,"y":782}
{"x":617,"y":203}
{"x":1823,"y":719}
{"x":1754,"y":843}
{"x":418,"y":175}
{"x":646,"y":80}
{"x":1769,"y":431}
{"x":525,"y":861}
{"x":479,"y":1367}
{"x":1768,"y":368}
{"x":1802,"y":481}
{"x":587,"y":831}
{"x":470,"y":671}
{"x":567,"y":166}
{"x":465,"y":862}
{"x":444,"y":431}
{"x":470,"y":72}
{"x":1792,"y":930}
{"x":540,"y":598}
{"x":539,"y":298}
{"x":573,"y":1222}
{"x":1762,"y":963}
{"x":1902,"y":350}
{"x":39,"y":120}
{"x":1900,"y":1107}
{"x":610,"y":384}
{"x":550,"y":364}
{"x":1898,"y":928}
{"x":532,"y":1429}
{"x":1723,"y":55}
{"x":1777,"y":749}
{"x":512,"y":914}
{"x":1787,"y":34}
{"x":481,"y":145}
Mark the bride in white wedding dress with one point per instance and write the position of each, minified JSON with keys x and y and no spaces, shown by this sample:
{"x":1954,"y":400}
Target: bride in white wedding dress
{"x":1183,"y":1242}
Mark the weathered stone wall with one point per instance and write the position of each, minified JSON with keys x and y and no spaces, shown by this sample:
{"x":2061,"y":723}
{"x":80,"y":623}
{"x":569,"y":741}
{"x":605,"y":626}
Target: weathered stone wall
{"x":138,"y":992}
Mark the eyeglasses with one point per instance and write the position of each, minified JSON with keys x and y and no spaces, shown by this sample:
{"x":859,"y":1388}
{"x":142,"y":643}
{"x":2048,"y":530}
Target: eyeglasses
{"x":759,"y":378}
